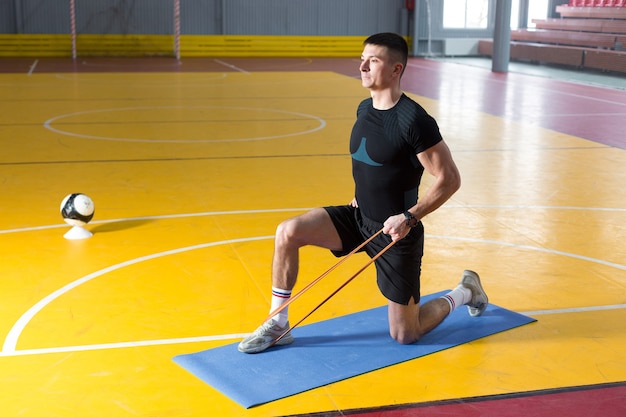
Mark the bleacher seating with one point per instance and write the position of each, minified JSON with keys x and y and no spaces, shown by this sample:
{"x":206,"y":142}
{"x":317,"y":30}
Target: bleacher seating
{"x":596,"y":3}
{"x":589,"y":34}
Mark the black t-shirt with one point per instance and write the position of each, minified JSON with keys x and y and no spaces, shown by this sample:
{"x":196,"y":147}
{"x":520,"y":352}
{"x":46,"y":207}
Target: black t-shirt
{"x":384,"y":145}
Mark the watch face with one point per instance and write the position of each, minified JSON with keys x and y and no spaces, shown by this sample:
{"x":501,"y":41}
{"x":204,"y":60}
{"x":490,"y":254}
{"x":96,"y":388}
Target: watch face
{"x":410,"y":220}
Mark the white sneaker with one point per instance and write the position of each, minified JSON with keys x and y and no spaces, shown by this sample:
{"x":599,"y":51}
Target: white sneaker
{"x":264,"y":337}
{"x":479,"y":301}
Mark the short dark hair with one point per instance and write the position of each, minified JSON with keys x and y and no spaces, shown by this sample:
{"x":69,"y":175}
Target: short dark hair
{"x":395,"y":43}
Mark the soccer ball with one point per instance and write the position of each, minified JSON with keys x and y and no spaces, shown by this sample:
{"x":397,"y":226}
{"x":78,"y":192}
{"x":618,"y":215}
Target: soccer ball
{"x":77,"y":209}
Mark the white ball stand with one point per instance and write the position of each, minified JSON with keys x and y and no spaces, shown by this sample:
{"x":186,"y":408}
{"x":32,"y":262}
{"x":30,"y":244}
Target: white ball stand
{"x":78,"y":232}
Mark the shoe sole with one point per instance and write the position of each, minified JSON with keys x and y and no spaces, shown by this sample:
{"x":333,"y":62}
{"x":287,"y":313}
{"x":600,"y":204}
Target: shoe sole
{"x":288,"y":339}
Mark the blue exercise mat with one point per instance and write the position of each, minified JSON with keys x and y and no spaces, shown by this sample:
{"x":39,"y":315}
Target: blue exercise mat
{"x":334,"y":350}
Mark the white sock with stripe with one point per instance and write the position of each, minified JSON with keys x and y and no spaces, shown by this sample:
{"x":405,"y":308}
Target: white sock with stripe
{"x":458,"y":297}
{"x":280,"y":297}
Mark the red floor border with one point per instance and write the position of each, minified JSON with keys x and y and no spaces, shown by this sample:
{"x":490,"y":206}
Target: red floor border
{"x":603,"y":400}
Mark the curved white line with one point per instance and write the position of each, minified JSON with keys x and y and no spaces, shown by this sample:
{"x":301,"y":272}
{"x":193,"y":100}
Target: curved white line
{"x":48,"y":125}
{"x":216,"y":213}
{"x":10,"y":343}
{"x":164,"y":216}
{"x":198,"y":339}
{"x":11,"y":340}
{"x":532,"y":248}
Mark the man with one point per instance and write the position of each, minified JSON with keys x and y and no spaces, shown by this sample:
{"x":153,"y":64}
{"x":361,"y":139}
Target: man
{"x":392,"y":142}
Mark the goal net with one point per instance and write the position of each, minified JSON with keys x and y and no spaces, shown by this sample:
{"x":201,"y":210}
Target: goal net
{"x":125,"y":27}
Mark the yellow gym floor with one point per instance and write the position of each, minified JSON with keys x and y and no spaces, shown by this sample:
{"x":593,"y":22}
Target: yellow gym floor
{"x":191,"y":171}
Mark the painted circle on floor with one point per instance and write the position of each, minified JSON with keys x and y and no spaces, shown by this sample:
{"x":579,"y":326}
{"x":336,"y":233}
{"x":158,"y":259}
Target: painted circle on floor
{"x":185,"y":124}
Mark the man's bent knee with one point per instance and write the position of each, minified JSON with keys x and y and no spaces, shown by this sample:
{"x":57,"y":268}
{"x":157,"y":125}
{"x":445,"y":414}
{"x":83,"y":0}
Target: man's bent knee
{"x":404,"y":322}
{"x":287,"y":237}
{"x":312,"y":228}
{"x":404,"y":336}
{"x":286,"y":230}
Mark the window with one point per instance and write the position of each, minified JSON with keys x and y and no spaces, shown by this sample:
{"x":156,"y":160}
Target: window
{"x":515,"y":14}
{"x":537,"y":9}
{"x":465,"y":14}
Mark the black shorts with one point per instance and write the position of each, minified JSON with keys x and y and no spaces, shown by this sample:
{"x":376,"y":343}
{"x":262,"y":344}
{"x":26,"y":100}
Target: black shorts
{"x":397,"y":270}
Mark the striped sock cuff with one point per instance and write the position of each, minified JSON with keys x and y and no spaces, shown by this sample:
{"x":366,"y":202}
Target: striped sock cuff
{"x":450,"y":301}
{"x":284,"y":294}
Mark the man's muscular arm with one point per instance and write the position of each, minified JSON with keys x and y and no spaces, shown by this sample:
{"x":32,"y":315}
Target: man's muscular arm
{"x":437,"y":161}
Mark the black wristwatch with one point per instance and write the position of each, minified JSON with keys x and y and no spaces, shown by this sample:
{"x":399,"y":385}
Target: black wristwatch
{"x":411,"y":221}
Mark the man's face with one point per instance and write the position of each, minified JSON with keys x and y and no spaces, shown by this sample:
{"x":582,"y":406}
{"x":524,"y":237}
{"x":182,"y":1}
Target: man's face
{"x":378,"y":70}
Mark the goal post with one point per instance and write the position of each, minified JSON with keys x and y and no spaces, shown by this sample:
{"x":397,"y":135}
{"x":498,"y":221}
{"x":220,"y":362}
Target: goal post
{"x":114,"y":28}
{"x":177,"y":29}
{"x":73,"y":27}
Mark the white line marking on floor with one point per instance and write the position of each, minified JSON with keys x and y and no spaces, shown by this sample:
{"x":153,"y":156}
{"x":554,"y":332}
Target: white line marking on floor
{"x":574,"y":310}
{"x":532,"y":248}
{"x":235,"y":212}
{"x":121,"y":345}
{"x":12,"y":337}
{"x":231,"y":66}
{"x":165,"y":216}
{"x":9,"y":347}
{"x":236,"y":336}
{"x":321,"y":124}
{"x":31,"y":70}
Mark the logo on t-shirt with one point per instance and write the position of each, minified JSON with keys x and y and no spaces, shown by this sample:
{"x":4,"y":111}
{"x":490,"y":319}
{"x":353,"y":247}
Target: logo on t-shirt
{"x":361,"y":155}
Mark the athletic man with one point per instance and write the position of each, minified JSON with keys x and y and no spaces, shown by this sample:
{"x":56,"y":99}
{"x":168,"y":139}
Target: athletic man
{"x":392,"y":142}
